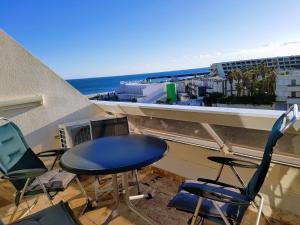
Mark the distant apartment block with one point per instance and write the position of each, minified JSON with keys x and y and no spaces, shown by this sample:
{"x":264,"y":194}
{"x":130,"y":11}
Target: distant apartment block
{"x":282,"y":62}
{"x":288,"y":89}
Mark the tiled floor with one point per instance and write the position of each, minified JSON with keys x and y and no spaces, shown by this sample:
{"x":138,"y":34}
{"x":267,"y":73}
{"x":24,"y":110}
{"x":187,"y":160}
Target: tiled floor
{"x":163,"y":188}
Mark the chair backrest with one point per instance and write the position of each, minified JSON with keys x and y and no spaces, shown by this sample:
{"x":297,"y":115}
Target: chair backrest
{"x":109,"y":127}
{"x":277,"y":131}
{"x":12,"y":145}
{"x":15,"y":154}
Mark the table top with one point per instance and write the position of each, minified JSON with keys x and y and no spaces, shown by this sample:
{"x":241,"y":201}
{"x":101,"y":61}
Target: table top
{"x":114,"y":154}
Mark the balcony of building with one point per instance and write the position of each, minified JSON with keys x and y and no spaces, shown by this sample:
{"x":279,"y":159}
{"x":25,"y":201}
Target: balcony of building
{"x":292,"y":88}
{"x":193,"y":134}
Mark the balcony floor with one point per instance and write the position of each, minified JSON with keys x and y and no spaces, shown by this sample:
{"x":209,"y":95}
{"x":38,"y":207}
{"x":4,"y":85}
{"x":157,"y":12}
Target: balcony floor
{"x":165,"y":187}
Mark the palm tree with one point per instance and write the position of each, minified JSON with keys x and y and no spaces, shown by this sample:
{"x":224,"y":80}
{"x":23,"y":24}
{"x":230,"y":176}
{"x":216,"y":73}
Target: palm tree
{"x":262,"y":71}
{"x":245,"y":77}
{"x":271,"y":80}
{"x":230,"y":78}
{"x":238,"y":88}
{"x":252,"y":75}
{"x":237,"y":76}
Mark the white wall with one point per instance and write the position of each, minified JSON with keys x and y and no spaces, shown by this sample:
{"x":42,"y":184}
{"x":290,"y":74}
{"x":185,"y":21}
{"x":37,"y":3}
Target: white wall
{"x":23,"y":75}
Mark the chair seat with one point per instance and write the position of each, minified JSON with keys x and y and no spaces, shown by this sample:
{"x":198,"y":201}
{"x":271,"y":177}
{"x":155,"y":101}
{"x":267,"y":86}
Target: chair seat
{"x":187,"y":202}
{"x":53,"y":180}
{"x":57,"y":214}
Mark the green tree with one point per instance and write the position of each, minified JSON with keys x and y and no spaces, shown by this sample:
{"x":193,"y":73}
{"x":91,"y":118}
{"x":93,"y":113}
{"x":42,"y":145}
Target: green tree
{"x":237,"y":76}
{"x":230,"y":78}
{"x":245,"y":81}
{"x":252,"y":75}
{"x":271,"y":80}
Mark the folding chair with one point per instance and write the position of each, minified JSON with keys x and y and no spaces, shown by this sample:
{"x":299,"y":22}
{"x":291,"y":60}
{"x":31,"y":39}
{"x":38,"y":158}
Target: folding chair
{"x":224,"y":203}
{"x":56,"y":214}
{"x":23,"y":168}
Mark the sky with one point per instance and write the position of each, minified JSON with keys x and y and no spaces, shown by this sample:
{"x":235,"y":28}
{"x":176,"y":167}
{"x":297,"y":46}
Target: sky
{"x":91,"y":38}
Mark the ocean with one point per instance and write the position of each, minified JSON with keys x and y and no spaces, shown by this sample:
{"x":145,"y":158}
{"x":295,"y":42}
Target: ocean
{"x":95,"y":85}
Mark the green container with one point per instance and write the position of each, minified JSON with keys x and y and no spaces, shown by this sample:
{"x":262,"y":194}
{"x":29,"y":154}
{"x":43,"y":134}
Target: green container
{"x":171,"y":92}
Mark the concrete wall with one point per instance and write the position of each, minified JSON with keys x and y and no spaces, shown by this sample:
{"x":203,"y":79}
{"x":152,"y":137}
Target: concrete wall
{"x":22,"y":75}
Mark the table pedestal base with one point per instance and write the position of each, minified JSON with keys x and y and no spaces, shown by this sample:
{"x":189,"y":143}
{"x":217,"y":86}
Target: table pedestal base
{"x":126,"y":198}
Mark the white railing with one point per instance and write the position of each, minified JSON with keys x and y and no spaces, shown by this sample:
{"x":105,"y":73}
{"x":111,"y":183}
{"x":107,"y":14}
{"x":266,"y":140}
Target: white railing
{"x":230,"y":117}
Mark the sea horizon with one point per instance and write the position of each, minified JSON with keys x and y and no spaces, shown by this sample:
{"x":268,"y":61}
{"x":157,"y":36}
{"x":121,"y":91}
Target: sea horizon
{"x":95,"y":85}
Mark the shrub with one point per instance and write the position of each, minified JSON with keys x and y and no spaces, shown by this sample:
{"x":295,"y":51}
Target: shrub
{"x":258,"y":99}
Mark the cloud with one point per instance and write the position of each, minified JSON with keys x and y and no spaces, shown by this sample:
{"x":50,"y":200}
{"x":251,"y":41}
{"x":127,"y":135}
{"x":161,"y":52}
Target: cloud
{"x":290,"y":43}
{"x":267,"y":50}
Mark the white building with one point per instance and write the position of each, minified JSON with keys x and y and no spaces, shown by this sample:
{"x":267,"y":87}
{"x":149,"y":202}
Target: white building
{"x":202,"y":85}
{"x":283,"y":62}
{"x":140,"y":91}
{"x":288,"y":89}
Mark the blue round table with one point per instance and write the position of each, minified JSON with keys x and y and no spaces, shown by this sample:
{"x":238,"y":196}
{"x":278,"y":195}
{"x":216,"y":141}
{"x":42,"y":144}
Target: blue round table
{"x":113,"y":155}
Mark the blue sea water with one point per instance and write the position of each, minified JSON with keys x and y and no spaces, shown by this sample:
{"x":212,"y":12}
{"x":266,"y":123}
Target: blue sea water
{"x":107,"y":84}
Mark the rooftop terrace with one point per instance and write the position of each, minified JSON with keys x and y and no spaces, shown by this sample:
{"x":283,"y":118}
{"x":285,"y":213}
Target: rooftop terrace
{"x":152,"y":180}
{"x":41,"y":100}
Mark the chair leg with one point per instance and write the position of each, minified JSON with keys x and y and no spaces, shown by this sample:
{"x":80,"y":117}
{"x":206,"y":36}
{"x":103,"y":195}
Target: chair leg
{"x":196,"y":213}
{"x":137,"y":181}
{"x":19,"y":201}
{"x":54,"y":162}
{"x":220,"y":172}
{"x":45,"y":191}
{"x":88,"y":203}
{"x":201,"y":221}
{"x":221,"y":213}
{"x":96,"y":188}
{"x":259,"y":209}
{"x":81,"y":188}
{"x":238,"y":176}
{"x":29,"y":208}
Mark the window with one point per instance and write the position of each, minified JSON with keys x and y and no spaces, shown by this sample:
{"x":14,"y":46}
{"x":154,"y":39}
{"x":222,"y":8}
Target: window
{"x":293,"y":93}
{"x":293,"y":82}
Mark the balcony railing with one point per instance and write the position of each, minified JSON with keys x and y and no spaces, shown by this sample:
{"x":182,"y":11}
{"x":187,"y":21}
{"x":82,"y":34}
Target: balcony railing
{"x":236,"y":131}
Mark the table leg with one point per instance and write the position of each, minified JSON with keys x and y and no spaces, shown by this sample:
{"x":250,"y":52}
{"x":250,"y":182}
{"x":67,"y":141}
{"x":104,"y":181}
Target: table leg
{"x":115,"y":211}
{"x":128,"y":202}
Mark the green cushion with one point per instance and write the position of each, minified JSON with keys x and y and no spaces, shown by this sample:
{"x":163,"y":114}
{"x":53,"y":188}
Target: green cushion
{"x":12,"y":146}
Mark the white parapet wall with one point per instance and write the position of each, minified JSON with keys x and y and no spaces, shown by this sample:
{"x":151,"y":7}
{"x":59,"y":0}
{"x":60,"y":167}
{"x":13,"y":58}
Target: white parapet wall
{"x":244,"y":106}
{"x":35,"y":97}
{"x":188,"y":158}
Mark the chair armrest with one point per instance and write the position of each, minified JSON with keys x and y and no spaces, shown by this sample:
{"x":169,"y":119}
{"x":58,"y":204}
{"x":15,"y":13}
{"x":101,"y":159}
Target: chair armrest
{"x":52,"y":152}
{"x":219,"y":183}
{"x":233,"y":162}
{"x":24,"y":174}
{"x":215,"y":194}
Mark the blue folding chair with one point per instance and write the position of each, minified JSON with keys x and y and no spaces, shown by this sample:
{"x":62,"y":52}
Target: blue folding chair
{"x":224,"y":203}
{"x":23,"y":168}
{"x":56,"y":214}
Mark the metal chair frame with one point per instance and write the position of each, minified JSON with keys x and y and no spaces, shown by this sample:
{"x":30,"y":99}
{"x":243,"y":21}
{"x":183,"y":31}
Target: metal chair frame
{"x":34,"y":174}
{"x":292,"y":110}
